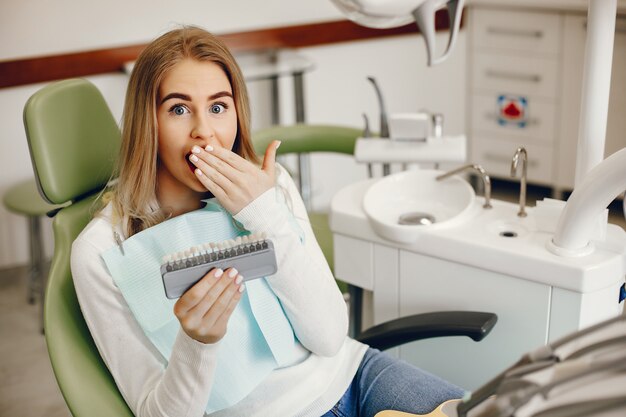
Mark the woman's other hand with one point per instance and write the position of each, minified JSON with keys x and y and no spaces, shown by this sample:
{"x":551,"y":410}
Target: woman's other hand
{"x":233,"y":180}
{"x":203,"y":310}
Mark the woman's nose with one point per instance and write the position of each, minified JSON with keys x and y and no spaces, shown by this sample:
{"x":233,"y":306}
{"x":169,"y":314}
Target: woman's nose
{"x":202,"y":129}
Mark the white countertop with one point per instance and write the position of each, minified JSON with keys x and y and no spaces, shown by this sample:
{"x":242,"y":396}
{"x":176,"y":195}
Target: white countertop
{"x":477,"y":243}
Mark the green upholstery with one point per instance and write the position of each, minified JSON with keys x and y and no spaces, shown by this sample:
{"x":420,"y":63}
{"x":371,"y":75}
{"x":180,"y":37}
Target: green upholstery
{"x":303,"y":138}
{"x":73,"y":141}
{"x":24,"y":198}
{"x":84,"y":380}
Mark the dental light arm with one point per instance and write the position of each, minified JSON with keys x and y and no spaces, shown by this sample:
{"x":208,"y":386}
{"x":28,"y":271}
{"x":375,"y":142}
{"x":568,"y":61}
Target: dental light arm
{"x":392,"y":13}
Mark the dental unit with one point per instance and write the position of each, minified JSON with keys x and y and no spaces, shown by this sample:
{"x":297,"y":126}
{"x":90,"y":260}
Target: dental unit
{"x":431,"y":244}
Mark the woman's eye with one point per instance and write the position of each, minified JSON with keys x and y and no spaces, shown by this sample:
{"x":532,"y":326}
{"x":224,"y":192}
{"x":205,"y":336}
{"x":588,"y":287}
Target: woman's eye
{"x":218,"y":108}
{"x":178,"y":110}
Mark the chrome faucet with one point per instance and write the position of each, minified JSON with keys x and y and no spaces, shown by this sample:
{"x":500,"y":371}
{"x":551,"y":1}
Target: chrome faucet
{"x":384,"y":126}
{"x":483,"y":175}
{"x":520,"y":152}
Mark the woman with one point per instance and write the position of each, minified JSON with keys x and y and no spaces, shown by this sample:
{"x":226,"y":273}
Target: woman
{"x":186,"y":137}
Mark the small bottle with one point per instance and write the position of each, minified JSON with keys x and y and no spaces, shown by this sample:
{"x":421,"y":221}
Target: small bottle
{"x":437,"y":120}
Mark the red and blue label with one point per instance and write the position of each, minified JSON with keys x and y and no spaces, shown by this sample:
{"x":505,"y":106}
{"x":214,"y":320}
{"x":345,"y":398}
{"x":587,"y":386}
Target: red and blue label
{"x":512,"y":110}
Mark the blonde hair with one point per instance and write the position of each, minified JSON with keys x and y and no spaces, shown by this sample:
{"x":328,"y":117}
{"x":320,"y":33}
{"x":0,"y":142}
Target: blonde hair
{"x":134,"y":194}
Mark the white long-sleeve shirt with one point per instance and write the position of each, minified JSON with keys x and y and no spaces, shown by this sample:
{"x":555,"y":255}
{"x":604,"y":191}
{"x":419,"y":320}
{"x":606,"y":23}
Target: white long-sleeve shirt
{"x":305,"y":287}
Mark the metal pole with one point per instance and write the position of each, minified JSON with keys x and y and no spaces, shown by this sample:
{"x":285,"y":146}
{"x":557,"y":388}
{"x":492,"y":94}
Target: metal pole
{"x":37,"y":262}
{"x":304,"y":163}
{"x":275,"y":97}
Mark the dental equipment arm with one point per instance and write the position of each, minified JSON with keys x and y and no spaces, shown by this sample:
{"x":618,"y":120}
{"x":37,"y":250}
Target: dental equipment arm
{"x":392,"y":13}
{"x":601,"y":185}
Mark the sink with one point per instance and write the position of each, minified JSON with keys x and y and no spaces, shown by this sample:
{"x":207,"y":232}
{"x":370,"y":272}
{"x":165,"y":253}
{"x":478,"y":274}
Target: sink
{"x":401,"y":206}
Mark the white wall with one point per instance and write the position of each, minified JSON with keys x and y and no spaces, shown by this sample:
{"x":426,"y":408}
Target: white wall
{"x":336,"y":90}
{"x":42,"y":27}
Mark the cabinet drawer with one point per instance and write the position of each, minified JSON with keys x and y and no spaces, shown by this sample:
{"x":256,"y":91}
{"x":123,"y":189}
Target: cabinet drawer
{"x":510,"y":74}
{"x":532,"y":32}
{"x":495,"y":155}
{"x":539,"y":120}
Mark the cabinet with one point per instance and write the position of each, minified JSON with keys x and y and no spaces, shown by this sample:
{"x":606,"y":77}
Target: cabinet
{"x":534,"y":59}
{"x":402,"y":282}
{"x":514,"y":60}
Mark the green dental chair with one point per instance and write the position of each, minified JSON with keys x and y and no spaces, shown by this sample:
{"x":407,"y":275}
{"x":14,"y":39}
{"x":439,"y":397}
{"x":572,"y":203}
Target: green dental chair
{"x":74,"y":142}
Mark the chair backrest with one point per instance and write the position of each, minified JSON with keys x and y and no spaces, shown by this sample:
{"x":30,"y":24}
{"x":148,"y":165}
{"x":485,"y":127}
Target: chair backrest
{"x":304,"y":138}
{"x":73,"y":141}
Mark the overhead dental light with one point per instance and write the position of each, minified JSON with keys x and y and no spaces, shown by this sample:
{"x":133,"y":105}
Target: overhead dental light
{"x":383,"y":14}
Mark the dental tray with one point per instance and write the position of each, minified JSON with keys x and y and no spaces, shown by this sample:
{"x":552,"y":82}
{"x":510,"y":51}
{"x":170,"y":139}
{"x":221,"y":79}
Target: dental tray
{"x":253,"y":256}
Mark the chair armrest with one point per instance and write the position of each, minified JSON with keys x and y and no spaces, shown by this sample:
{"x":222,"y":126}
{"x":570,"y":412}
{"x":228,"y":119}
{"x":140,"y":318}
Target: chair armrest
{"x":475,"y":325}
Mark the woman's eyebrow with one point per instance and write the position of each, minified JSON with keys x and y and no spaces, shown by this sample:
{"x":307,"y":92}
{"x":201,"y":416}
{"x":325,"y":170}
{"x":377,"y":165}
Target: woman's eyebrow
{"x":188,"y":98}
{"x":221,"y":94}
{"x":176,"y":95}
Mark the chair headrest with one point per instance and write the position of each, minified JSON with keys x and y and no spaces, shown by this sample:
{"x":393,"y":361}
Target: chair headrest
{"x":73,"y":138}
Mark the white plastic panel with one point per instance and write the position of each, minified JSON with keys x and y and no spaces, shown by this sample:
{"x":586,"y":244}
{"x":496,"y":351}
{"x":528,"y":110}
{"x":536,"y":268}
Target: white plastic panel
{"x":573,"y":311}
{"x":429,"y":284}
{"x":386,"y":284}
{"x":354,"y":261}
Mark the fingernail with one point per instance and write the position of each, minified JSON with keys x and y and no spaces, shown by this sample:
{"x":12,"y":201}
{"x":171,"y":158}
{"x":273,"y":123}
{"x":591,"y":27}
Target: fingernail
{"x":232,"y":273}
{"x":218,"y":273}
{"x":208,"y":148}
{"x":278,"y":145}
{"x":238,"y":279}
{"x":241,"y":288}
{"x":196,"y":149}
{"x":193,"y":158}
{"x":199,"y":172}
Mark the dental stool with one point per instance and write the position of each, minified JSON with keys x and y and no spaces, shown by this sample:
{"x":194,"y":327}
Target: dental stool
{"x":74,"y":142}
{"x":24,"y":199}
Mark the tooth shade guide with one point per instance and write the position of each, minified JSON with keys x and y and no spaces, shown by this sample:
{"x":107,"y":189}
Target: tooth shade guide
{"x":253,"y":259}
{"x":214,"y":251}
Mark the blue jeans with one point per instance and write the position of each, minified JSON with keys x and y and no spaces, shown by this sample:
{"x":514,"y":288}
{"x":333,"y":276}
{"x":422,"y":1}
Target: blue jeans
{"x":383,"y":382}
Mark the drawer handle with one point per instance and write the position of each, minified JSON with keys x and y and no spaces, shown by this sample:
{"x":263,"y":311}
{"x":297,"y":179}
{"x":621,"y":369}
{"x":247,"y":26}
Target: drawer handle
{"x":515,"y":32}
{"x":533,"y":78}
{"x":492,"y":117}
{"x":505,"y":159}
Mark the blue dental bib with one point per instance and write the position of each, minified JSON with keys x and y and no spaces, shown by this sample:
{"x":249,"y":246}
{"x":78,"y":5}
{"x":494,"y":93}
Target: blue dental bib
{"x":259,"y":337}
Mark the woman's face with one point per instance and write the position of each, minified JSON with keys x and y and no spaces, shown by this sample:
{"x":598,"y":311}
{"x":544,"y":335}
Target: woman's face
{"x":195,"y":106}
